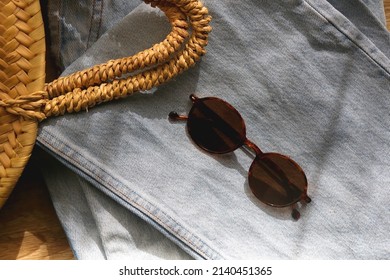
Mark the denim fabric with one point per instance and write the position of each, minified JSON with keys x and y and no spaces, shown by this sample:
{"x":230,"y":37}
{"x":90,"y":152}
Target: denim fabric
{"x":375,"y":6}
{"x":76,"y":25}
{"x":361,"y":16}
{"x":97,"y":228}
{"x":309,"y":82}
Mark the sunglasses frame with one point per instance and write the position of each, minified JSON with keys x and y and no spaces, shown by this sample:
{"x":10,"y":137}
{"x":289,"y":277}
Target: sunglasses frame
{"x":259,"y":154}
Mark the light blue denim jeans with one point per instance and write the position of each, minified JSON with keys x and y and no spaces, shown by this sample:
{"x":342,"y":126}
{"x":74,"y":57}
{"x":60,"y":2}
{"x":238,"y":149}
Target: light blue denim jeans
{"x":311,"y":79}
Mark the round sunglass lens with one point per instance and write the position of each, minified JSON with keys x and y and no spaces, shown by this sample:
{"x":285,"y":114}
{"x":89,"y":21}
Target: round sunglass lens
{"x":215,"y":125}
{"x":277,"y":180}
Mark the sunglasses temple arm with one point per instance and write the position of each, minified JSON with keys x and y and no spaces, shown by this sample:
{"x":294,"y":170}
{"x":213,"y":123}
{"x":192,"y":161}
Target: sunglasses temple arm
{"x":173,"y":116}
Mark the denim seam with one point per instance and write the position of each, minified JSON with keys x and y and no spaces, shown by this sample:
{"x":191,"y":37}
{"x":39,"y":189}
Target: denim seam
{"x":91,"y":23}
{"x":96,"y":19}
{"x":102,"y":244}
{"x":146,"y":209}
{"x":53,"y":14}
{"x":59,"y":31}
{"x":377,"y":60}
{"x":100,"y":20}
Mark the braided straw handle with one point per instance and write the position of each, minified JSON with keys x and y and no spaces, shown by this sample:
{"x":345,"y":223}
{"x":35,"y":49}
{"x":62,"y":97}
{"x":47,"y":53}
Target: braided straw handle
{"x":25,"y":99}
{"x":102,"y":83}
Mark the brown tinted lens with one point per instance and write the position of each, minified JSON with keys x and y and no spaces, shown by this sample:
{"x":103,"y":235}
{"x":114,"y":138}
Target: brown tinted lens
{"x":277,"y":180}
{"x":215,"y":125}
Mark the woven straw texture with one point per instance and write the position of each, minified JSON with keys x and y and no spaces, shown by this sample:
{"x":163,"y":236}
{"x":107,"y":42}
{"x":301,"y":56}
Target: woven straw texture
{"x":22,"y":72}
{"x":25,"y":99}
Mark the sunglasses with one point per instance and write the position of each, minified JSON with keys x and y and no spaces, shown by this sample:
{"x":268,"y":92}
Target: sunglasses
{"x":217,"y":127}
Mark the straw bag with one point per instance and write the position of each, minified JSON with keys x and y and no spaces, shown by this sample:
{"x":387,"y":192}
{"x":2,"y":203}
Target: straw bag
{"x":25,"y":99}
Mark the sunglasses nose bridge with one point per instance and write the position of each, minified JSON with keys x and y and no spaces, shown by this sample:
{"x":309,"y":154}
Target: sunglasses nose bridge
{"x":253,"y":146}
